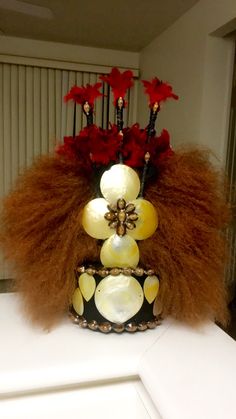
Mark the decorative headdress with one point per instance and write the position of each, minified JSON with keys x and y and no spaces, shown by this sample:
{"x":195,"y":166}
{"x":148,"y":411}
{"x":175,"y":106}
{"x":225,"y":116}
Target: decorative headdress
{"x":116,"y":227}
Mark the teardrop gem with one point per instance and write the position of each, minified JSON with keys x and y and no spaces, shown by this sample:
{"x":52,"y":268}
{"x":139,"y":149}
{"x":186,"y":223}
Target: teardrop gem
{"x":130,"y":208}
{"x":121,"y":215}
{"x":132,"y":217}
{"x":130,"y":225}
{"x":121,"y":230}
{"x":150,"y":288}
{"x":87,"y":286}
{"x":110,"y":216}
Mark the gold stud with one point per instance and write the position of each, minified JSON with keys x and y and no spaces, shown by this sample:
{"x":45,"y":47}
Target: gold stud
{"x":131,"y":327}
{"x":93,"y":325}
{"x":105,"y":327}
{"x":151,"y":324}
{"x":118,"y":328}
{"x":127,"y":271}
{"x":139,"y":272}
{"x":142,"y":326}
{"x":115,"y":271}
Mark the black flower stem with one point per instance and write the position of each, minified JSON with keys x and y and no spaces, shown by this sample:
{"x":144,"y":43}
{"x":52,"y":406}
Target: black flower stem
{"x":120,"y":122}
{"x":152,"y":121}
{"x":150,"y":133}
{"x":88,"y":111}
{"x":120,"y":158}
{"x":89,"y":119}
{"x":144,"y":174}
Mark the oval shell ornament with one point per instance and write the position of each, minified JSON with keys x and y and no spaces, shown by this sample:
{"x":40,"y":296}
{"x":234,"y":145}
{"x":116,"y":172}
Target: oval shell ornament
{"x":120,"y":182}
{"x":118,"y":298}
{"x":120,"y":252}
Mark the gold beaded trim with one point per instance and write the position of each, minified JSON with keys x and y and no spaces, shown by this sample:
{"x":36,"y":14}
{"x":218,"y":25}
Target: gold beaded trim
{"x":107,"y":327}
{"x":115,"y":271}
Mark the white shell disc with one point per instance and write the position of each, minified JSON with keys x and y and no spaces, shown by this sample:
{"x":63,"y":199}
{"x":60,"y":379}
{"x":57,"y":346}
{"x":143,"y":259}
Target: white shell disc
{"x":147,"y":222}
{"x":119,"y":252}
{"x":77,"y":301}
{"x":151,"y":288}
{"x":120,"y":181}
{"x":87,"y":285}
{"x":93,"y":219}
{"x":118,"y":298}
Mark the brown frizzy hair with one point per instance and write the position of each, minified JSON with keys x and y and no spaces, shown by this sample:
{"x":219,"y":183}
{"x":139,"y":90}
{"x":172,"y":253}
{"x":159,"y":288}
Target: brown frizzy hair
{"x":189,"y":248}
{"x":42,"y":234}
{"x":43,"y":237}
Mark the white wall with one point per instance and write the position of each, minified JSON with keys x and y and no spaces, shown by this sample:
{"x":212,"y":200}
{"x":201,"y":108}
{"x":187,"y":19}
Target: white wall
{"x":199,"y":65}
{"x":65,"y":56}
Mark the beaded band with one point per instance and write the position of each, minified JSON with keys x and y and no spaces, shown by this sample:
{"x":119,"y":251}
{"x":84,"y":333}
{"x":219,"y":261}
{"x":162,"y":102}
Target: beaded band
{"x":115,"y":271}
{"x":107,"y":327}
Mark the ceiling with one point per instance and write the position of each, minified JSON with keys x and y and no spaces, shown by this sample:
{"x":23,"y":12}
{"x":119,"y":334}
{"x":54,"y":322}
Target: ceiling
{"x":125,"y":24}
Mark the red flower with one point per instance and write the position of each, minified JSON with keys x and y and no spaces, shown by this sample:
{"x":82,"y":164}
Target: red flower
{"x":134,"y":146}
{"x":159,"y":148}
{"x":119,"y":82}
{"x":158,"y":91}
{"x":95,"y":146}
{"x":104,"y":145}
{"x":84,"y":94}
{"x":92,"y":146}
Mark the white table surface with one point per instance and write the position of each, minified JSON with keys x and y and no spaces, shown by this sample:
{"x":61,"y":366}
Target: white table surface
{"x":177,"y":372}
{"x":32,"y":359}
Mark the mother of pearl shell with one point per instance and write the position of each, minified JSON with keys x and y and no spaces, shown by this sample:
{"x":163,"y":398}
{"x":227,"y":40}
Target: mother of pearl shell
{"x":93,"y":219}
{"x":147,"y":222}
{"x":151,"y":288}
{"x":118,"y":298}
{"x":120,"y":181}
{"x":87,"y":285}
{"x":77,"y":302}
{"x":119,"y":252}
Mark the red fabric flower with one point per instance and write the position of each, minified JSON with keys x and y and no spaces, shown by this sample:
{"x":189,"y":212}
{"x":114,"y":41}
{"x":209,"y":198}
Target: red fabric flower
{"x":119,"y":82}
{"x":95,"y":146}
{"x":134,"y":146}
{"x":104,"y":145}
{"x":84,"y":94}
{"x":92,"y":146}
{"x":160,"y":148}
{"x":158,"y":91}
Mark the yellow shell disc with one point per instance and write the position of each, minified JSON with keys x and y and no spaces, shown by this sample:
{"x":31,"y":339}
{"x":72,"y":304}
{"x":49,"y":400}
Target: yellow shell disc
{"x":118,"y":298}
{"x":87,"y":285}
{"x":120,"y":181}
{"x":93,"y":219}
{"x":77,"y":302}
{"x":151,"y":288}
{"x":119,"y":252}
{"x":147,"y":222}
